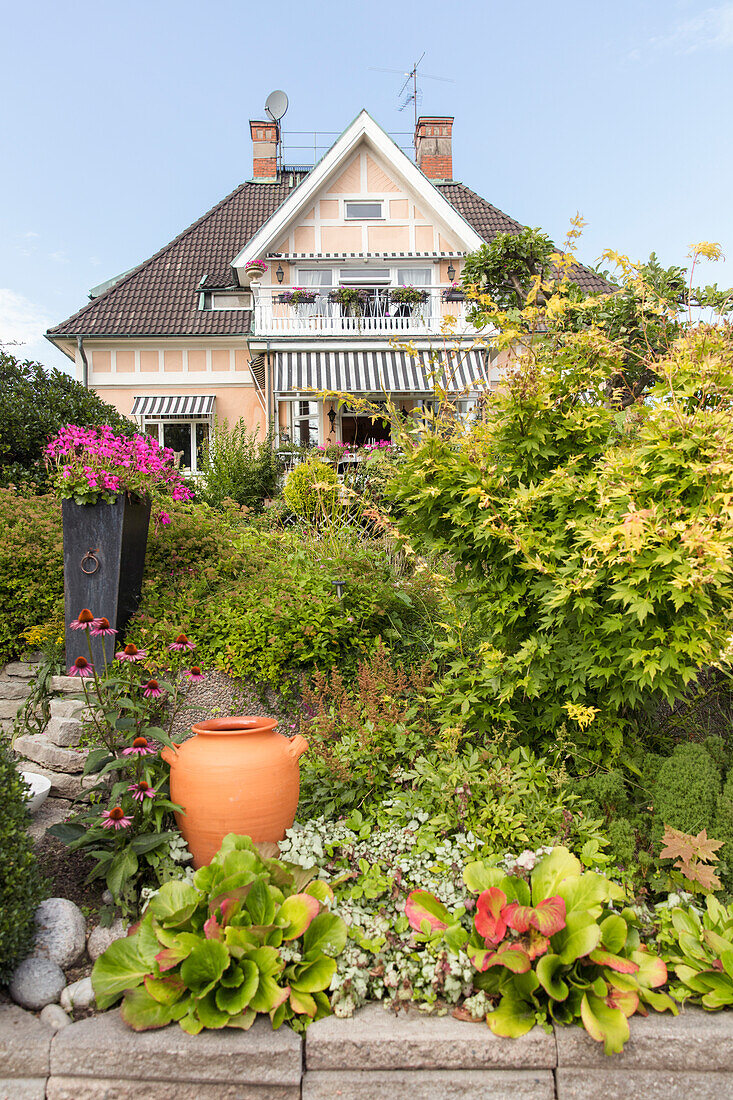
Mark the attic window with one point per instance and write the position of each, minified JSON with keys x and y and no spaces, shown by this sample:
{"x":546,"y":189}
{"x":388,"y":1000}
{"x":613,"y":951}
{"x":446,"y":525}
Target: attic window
{"x":363,"y":210}
{"x":231,"y":301}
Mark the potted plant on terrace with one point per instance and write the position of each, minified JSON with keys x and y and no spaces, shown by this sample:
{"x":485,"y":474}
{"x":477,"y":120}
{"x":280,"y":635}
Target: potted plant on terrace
{"x":107,"y":484}
{"x":255,"y":269}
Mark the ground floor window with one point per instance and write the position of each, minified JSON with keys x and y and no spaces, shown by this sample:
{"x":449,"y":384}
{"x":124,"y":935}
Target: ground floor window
{"x":186,"y":438}
{"x":356,"y":430}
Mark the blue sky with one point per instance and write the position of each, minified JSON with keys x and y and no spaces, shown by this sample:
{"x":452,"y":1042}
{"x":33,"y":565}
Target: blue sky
{"x":123,"y":123}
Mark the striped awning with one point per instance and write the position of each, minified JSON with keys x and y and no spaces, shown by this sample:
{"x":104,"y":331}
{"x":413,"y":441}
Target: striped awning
{"x":175,"y":406}
{"x":381,"y":371}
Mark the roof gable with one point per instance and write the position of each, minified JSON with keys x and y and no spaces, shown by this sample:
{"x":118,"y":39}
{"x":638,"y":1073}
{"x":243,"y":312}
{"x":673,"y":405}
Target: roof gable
{"x":388,"y":169}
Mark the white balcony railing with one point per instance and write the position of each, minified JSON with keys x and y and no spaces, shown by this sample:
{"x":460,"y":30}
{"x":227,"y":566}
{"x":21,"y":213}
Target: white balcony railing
{"x":375,"y":315}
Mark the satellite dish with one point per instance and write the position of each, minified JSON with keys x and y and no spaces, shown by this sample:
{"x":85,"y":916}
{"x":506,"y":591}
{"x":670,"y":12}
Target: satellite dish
{"x":276,"y":105}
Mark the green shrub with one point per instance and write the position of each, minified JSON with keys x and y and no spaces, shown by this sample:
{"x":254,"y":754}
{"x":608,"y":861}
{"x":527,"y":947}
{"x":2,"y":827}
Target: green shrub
{"x":238,"y":466}
{"x":581,"y":535}
{"x":21,"y":886}
{"x":34,"y":404}
{"x":311,"y":489}
{"x":686,"y":789}
{"x":31,"y":566}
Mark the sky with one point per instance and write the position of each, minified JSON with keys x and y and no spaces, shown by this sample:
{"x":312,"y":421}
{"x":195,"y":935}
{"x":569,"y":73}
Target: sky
{"x":123,"y":123}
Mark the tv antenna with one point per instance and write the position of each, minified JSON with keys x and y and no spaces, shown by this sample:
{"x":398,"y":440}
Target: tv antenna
{"x":414,"y":95}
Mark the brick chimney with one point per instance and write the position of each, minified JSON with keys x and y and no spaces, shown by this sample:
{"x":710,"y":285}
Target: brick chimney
{"x":265,"y":137}
{"x":434,"y":147}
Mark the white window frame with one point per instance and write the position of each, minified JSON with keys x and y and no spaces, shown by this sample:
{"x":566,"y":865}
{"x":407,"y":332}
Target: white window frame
{"x":388,"y":275}
{"x":159,"y":423}
{"x":363,"y":217}
{"x":242,"y":300}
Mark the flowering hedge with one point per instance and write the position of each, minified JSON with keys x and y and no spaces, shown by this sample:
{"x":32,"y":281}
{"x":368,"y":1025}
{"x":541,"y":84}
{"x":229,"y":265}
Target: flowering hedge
{"x":93,"y":464}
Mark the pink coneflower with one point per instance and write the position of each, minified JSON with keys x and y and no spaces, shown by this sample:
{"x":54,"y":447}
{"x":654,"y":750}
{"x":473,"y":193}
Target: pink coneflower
{"x":141,"y":790}
{"x":152,"y":688}
{"x":182,"y":642}
{"x":195,"y":673}
{"x":131,"y":653}
{"x":115,"y":819}
{"x":102,"y":626}
{"x":84,"y":621}
{"x":140,"y":747}
{"x":80,"y":667}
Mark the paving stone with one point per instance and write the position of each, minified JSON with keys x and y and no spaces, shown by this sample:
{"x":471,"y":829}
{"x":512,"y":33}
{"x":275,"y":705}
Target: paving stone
{"x":36,"y":747}
{"x":108,"y":1088}
{"x":52,"y":812}
{"x":22,"y":669}
{"x":24,"y":1044}
{"x":65,"y":732}
{"x":9,"y":708}
{"x":61,"y":931}
{"x":612,"y":1083}
{"x":377,"y":1039}
{"x":479,"y":1084}
{"x":695,"y":1041}
{"x":66,"y":684}
{"x":259,"y":1056}
{"x":36,"y":982}
{"x":22,"y":1088}
{"x":14,"y":689}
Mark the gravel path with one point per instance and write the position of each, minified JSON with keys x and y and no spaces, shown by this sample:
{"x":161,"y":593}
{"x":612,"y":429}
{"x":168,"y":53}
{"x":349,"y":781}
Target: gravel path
{"x":219,"y":695}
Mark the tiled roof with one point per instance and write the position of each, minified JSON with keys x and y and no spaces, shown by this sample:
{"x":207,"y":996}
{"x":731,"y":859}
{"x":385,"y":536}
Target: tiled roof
{"x":487,"y":220}
{"x":161,"y":296}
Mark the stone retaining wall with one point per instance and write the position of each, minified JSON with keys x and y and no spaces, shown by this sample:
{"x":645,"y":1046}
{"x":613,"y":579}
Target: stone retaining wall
{"x":373,"y":1056}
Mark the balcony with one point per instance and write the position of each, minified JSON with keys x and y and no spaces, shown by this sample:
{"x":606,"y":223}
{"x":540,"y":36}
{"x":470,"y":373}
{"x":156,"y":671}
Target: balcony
{"x":374,"y":314}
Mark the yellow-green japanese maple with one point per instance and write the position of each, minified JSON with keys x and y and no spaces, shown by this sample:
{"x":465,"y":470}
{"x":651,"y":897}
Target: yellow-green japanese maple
{"x":592,"y":543}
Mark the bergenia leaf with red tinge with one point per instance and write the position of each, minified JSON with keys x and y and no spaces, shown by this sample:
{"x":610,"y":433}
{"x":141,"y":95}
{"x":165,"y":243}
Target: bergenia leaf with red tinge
{"x":423,"y":906}
{"x":489,"y":920}
{"x":513,"y":958}
{"x":548,"y":917}
{"x":614,"y":962}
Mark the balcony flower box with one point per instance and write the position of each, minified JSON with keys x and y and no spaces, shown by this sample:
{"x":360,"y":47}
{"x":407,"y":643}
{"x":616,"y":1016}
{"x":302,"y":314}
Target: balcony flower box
{"x":408,"y":296}
{"x":298,"y":296}
{"x":454,"y":293}
{"x":352,"y":300}
{"x":255,"y":269}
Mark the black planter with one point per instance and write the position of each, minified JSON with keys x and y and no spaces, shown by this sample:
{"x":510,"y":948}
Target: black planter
{"x":454,"y":296}
{"x":104,"y":558}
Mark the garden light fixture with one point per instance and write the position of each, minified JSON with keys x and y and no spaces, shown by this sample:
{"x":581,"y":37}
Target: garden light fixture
{"x":280,"y":274}
{"x":339,"y":586}
{"x":451,"y":272}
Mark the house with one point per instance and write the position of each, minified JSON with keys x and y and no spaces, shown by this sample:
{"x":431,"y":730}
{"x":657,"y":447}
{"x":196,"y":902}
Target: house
{"x":288,"y":287}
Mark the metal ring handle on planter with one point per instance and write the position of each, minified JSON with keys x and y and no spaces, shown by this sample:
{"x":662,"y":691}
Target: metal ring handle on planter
{"x":90,"y":563}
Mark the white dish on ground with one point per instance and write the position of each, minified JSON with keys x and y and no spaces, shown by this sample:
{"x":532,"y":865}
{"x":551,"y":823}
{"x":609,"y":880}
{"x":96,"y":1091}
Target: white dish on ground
{"x":39,"y":788}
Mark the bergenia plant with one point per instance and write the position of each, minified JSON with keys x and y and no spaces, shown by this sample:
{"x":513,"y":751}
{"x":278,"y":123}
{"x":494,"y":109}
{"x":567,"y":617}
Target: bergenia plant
{"x":554,"y":949}
{"x":250,"y":935}
{"x":94,"y":464}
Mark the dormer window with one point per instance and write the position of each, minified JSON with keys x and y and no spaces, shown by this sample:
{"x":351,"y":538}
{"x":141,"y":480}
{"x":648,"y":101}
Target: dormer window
{"x":231,"y":301}
{"x":363,"y":211}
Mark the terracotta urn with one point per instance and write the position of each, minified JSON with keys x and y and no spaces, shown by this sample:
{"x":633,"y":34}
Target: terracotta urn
{"x":236,"y":775}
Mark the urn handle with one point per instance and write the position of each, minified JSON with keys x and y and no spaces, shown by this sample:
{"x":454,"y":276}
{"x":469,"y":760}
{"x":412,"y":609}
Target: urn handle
{"x":297,"y":746}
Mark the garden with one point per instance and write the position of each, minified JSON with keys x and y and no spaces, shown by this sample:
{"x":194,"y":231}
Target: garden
{"x":506,"y":639}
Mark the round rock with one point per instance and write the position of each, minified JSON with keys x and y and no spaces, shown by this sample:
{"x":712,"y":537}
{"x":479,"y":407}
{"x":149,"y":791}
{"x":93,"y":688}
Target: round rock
{"x":37,"y":982}
{"x":60,"y":931}
{"x":78,"y":995}
{"x":53,"y":1016}
{"x":101,"y":938}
